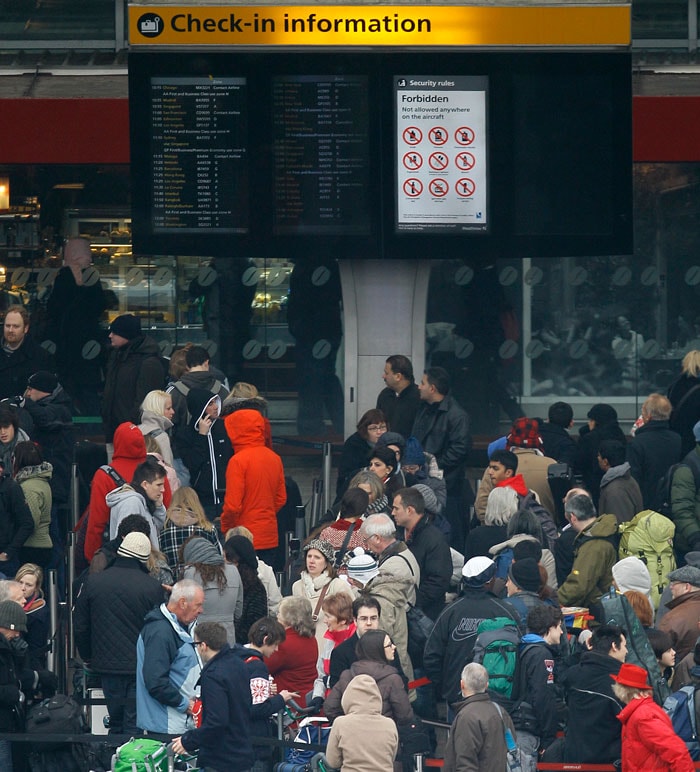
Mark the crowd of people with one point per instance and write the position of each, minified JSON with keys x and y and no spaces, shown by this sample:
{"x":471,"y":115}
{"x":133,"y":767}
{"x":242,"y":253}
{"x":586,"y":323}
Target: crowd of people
{"x":179,"y":613}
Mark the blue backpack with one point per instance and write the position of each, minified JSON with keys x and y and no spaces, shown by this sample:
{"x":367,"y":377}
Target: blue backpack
{"x":680,"y":707}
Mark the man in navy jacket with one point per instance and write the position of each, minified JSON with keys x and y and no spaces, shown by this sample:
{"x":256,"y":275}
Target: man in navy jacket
{"x":223,"y":739}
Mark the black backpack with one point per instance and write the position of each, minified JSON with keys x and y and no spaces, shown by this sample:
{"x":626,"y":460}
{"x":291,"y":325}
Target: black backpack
{"x":662,"y":497}
{"x":59,"y":714}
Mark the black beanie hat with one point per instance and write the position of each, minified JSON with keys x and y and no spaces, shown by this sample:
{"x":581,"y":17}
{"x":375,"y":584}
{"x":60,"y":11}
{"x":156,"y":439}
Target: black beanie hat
{"x":126,"y":326}
{"x":525,"y":574}
{"x":43,"y":380}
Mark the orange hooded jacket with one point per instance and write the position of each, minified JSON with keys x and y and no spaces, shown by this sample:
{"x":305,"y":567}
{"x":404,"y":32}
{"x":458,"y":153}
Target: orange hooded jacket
{"x":255,"y":488}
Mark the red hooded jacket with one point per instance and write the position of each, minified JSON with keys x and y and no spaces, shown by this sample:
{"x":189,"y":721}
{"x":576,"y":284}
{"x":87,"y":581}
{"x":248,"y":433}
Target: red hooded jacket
{"x":255,"y":488}
{"x":129,"y":452}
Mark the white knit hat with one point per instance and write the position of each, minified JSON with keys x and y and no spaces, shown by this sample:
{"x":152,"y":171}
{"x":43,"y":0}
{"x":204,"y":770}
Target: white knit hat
{"x":135,"y":545}
{"x":362,"y":567}
{"x":631,"y":574}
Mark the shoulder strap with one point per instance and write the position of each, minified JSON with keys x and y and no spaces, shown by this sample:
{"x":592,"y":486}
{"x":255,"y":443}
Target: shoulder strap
{"x":155,"y":433}
{"x":112,"y":472}
{"x":684,"y":398}
{"x":344,"y":546}
{"x":693,"y":462}
{"x":216,"y":387}
{"x":324,"y":590}
{"x":180,"y":386}
{"x":405,"y":559}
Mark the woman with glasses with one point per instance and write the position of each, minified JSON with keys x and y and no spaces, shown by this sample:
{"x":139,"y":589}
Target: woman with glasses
{"x":184,"y":518}
{"x":358,"y":447}
{"x":376,"y":653}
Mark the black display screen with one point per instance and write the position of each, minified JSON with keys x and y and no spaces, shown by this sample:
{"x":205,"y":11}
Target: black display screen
{"x":199,"y":155}
{"x":321,"y":172}
{"x":289,"y":154}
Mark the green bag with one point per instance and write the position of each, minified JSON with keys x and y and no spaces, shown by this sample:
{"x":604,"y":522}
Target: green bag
{"x":141,"y":755}
{"x":649,"y":537}
{"x":496,"y":648}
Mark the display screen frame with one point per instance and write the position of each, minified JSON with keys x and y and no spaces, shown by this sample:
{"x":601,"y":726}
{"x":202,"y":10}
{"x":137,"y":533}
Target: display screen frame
{"x":593,"y":235}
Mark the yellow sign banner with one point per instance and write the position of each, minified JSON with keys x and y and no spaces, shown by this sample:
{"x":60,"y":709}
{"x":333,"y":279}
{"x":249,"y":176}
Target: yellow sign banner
{"x":380,"y":25}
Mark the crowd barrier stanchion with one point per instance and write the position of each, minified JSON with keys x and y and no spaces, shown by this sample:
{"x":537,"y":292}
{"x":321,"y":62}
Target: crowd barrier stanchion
{"x":70,"y":574}
{"x":300,"y":523}
{"x":316,"y":503}
{"x":52,"y":656}
{"x":74,"y":495}
{"x":327,"y":460}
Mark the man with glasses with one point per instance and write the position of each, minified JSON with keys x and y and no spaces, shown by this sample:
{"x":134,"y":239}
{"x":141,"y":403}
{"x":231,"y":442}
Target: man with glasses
{"x":681,"y":620}
{"x":366,"y":612}
{"x":223,"y":739}
{"x":393,"y":556}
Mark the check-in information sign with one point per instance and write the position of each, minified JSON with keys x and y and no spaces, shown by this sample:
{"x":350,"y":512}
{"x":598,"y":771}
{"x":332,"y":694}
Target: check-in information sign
{"x":441,"y":143}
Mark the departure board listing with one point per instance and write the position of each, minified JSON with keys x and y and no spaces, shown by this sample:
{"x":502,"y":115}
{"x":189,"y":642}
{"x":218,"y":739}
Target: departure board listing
{"x":441,"y":144}
{"x":321,"y":178}
{"x":199,"y":155}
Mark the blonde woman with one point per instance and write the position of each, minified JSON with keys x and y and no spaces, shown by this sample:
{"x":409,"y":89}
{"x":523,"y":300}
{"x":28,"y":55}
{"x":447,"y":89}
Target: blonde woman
{"x":31,"y":577}
{"x":184,"y":518}
{"x":684,"y":395}
{"x":156,"y":421}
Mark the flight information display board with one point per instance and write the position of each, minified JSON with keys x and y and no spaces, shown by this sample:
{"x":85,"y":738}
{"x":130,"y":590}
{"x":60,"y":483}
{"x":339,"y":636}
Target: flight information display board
{"x":441,"y":146}
{"x":380,"y":154}
{"x":199,"y":155}
{"x":321,"y":159}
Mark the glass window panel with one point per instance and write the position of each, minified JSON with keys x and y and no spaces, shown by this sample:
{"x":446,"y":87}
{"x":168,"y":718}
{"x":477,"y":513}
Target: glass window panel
{"x":659,"y":19}
{"x":27,"y":20}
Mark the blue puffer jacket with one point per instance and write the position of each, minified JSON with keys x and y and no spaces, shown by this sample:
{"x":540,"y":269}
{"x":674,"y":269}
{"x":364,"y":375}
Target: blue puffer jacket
{"x":167,"y":671}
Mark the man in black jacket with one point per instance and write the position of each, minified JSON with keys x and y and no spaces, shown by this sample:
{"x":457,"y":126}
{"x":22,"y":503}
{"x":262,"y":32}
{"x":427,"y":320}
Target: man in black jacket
{"x":442,"y":428}
{"x":400,"y":400}
{"x":108,"y":618}
{"x":429,"y":548}
{"x":223,"y":739}
{"x":654,"y":448}
{"x":366,"y":612}
{"x":134,"y":368}
{"x":558,"y":443}
{"x":593,"y":733}
{"x":451,"y":643}
{"x":20,"y":354}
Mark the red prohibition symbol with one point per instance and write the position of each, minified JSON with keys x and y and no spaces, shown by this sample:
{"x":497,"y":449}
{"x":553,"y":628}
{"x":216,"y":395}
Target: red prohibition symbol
{"x":438,"y":161}
{"x":438,"y":187}
{"x":465,"y":187}
{"x":464,"y":135}
{"x":412,"y":136}
{"x":412,"y":187}
{"x":465,"y":161}
{"x":437,"y":135}
{"x":413,"y":161}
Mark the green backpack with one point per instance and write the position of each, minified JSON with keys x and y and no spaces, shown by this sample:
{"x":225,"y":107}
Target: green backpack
{"x":496,"y":648}
{"x":141,"y":755}
{"x":649,"y":537}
